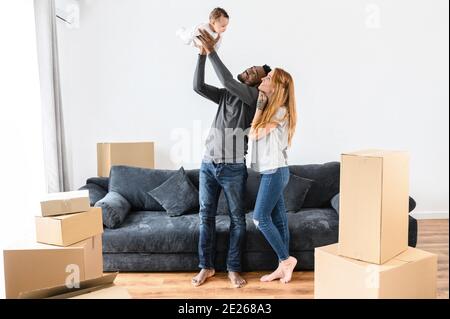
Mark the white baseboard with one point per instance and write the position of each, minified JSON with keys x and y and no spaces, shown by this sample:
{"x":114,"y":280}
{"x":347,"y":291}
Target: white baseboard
{"x":430,"y":214}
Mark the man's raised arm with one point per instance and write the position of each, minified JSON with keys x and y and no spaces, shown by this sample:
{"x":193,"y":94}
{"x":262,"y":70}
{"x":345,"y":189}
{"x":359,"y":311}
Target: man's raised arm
{"x":207,"y":91}
{"x":246,"y":93}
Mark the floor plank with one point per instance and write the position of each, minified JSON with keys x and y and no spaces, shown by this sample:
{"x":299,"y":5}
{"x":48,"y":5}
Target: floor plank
{"x":433,"y":237}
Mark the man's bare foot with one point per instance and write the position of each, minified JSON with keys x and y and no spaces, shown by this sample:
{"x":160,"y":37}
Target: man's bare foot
{"x":236,"y":280}
{"x":202,"y":276}
{"x":277,"y":274}
{"x":287,"y":267}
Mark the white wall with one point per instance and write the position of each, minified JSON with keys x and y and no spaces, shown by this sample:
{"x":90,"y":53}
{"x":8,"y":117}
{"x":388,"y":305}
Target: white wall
{"x":21,"y":160}
{"x":368,"y":74}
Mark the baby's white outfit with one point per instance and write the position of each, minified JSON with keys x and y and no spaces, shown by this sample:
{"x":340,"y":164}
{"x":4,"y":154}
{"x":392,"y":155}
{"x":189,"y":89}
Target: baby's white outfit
{"x":189,"y":36}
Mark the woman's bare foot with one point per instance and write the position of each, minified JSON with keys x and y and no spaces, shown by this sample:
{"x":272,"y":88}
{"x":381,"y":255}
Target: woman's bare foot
{"x":236,"y":280}
{"x":277,"y":274}
{"x":288,"y":267}
{"x":202,"y":276}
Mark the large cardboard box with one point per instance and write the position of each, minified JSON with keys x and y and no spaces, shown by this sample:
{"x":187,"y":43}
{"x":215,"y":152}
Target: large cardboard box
{"x":373,"y":208}
{"x":66,"y":230}
{"x":137,"y":154}
{"x":29,"y":269}
{"x":30,"y":266}
{"x":98,"y":288}
{"x":410,"y":275}
{"x":65,"y":203}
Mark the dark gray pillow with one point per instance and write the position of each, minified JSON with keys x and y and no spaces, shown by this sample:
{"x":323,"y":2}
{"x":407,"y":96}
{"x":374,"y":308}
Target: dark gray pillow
{"x":115,"y":209}
{"x":177,"y":195}
{"x":295,"y":192}
{"x":335,"y":203}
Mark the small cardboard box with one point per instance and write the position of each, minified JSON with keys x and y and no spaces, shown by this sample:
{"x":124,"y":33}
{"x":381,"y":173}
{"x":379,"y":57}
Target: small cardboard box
{"x":410,"y":275}
{"x":98,"y":288}
{"x":29,"y":269}
{"x":137,"y":154}
{"x":66,"y":230}
{"x":373,"y":208}
{"x":32,"y":274}
{"x":54,"y":204}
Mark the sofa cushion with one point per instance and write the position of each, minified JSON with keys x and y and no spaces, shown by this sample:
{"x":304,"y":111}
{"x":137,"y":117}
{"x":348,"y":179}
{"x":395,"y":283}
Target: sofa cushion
{"x":326,"y":182}
{"x":335,"y":203}
{"x":294,"y":194}
{"x":177,"y":195}
{"x":156,"y":232}
{"x":134,"y":183}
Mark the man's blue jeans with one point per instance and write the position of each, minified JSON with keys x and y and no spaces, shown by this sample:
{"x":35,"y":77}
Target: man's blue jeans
{"x":269,"y":215}
{"x":232,"y":178}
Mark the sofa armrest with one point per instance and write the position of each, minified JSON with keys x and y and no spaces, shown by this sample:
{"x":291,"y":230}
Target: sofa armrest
{"x":115,"y":209}
{"x":96,"y":192}
{"x":103,"y":182}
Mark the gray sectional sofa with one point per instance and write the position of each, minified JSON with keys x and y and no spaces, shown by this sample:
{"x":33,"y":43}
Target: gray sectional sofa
{"x":148,"y":239}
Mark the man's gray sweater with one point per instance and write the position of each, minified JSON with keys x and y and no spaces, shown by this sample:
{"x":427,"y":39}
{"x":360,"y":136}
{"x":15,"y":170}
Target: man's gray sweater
{"x":227,"y":141}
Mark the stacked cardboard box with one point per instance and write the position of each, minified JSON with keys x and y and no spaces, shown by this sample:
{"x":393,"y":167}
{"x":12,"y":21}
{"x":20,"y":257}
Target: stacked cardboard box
{"x":137,"y":154}
{"x":68,"y":251}
{"x":372,"y":258}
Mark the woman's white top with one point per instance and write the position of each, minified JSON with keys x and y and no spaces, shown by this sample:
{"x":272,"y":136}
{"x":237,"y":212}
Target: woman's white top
{"x":189,"y":35}
{"x":270,"y":152}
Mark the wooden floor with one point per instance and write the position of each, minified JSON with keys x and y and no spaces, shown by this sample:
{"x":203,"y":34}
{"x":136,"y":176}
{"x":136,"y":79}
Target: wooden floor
{"x":433,"y":237}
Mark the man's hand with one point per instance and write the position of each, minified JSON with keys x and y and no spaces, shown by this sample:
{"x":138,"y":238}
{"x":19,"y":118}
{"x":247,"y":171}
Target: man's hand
{"x":262,"y":101}
{"x":201,"y":48}
{"x":207,"y":41}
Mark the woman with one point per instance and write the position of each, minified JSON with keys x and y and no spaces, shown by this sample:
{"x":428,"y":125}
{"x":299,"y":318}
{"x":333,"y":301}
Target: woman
{"x":271,"y":133}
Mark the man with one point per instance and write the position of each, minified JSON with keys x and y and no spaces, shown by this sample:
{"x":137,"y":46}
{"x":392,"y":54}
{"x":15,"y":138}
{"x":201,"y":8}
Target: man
{"x":223,"y":165}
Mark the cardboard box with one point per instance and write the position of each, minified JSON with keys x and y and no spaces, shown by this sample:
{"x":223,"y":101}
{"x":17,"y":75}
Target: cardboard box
{"x":65,"y":203}
{"x":31,"y":266}
{"x":29,"y":269}
{"x":66,"y":230}
{"x":373,"y":207}
{"x":93,"y":256}
{"x":98,"y":288}
{"x":139,"y":154}
{"x":412,"y":274}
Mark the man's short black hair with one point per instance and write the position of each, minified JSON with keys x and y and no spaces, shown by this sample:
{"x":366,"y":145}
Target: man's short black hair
{"x":267,"y":69}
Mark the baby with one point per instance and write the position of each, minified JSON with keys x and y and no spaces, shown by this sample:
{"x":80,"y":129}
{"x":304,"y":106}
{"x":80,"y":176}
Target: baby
{"x":218,"y":22}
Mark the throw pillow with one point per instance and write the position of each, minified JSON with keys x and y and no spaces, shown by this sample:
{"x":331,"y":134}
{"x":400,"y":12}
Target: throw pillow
{"x":115,"y":209}
{"x":177,"y":195}
{"x":295,"y":192}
